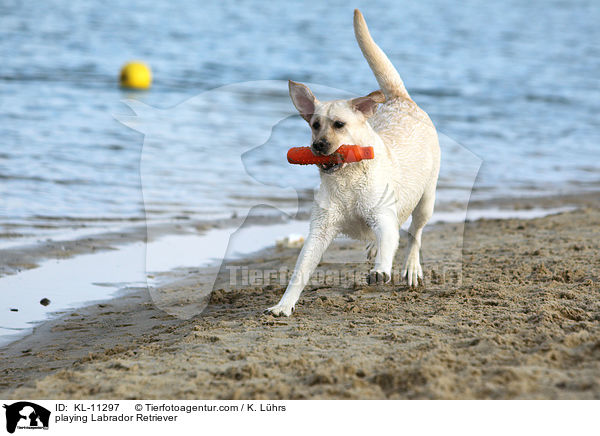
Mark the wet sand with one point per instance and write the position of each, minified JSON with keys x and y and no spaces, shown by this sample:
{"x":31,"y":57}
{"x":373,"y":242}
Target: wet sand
{"x":520,"y":319}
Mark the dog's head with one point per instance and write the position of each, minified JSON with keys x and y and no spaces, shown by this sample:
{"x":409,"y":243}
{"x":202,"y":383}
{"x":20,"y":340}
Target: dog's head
{"x":334,"y":123}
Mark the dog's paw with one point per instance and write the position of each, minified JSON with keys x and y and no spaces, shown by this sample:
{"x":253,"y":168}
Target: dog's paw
{"x":413,"y":273}
{"x":371,"y":250}
{"x":280,"y":310}
{"x":378,"y":277}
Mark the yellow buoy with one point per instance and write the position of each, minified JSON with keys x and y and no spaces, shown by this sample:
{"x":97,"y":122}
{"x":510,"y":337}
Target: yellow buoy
{"x":136,"y":75}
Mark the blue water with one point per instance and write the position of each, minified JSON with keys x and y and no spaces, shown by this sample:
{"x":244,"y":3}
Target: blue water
{"x":515,"y":83}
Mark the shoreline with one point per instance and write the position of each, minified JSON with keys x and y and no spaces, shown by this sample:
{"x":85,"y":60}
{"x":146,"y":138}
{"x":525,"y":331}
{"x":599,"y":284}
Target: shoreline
{"x":95,"y":277}
{"x":122,"y":336}
{"x":15,"y":257}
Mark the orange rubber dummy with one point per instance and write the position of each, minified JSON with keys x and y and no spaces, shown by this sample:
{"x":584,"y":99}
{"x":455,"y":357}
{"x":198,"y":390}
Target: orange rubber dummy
{"x":344,"y":154}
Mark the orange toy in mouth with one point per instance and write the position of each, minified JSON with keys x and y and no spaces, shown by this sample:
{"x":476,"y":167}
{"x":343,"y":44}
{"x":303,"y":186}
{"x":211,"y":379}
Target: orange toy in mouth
{"x":344,"y":154}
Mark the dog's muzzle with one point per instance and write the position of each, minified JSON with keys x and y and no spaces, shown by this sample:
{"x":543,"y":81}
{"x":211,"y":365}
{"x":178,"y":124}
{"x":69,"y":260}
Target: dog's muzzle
{"x":321,"y":147}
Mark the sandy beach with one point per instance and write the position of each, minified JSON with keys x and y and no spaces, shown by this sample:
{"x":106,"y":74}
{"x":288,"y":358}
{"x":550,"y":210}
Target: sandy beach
{"x":510,"y":311}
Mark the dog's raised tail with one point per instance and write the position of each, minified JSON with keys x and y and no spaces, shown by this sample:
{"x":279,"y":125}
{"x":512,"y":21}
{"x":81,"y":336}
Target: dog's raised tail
{"x":388,"y":78}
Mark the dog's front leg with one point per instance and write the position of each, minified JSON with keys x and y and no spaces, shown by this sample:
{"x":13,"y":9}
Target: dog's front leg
{"x":387,"y":234}
{"x":321,"y":233}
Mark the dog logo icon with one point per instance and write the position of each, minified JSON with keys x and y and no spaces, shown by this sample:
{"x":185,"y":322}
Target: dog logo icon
{"x":26,"y":415}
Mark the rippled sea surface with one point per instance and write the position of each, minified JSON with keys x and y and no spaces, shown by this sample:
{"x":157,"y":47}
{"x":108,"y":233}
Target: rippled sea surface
{"x":515,"y":83}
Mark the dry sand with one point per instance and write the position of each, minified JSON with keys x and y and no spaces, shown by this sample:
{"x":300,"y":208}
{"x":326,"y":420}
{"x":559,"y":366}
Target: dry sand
{"x":524,"y":323}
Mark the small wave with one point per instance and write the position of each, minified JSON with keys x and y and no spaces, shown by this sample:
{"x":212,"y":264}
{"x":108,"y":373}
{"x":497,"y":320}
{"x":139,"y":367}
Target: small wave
{"x":555,"y":99}
{"x":436,"y":92}
{"x":85,"y":219}
{"x":24,"y":178}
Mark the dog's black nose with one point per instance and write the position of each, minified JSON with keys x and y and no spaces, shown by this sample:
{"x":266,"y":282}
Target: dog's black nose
{"x":320,"y":146}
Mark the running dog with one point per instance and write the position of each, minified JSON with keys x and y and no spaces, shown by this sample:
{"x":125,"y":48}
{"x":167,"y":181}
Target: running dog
{"x":371,"y":199}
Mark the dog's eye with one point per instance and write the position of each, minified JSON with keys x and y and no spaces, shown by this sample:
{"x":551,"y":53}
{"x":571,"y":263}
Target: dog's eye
{"x":339,"y":124}
{"x":316,"y":125}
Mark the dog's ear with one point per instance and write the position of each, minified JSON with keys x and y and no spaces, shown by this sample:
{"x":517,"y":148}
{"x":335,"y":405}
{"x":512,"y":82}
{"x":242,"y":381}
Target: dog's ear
{"x":303,"y":99}
{"x":368,"y":104}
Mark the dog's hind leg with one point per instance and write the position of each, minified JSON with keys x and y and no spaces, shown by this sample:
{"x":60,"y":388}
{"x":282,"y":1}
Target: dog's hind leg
{"x":321,"y":233}
{"x":412,"y":270}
